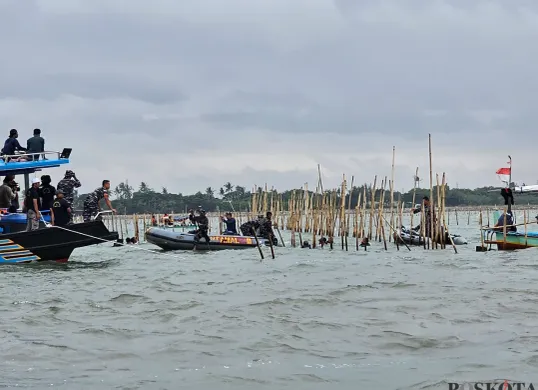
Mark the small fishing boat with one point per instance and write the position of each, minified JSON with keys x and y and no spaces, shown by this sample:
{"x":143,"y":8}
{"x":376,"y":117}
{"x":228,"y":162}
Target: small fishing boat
{"x":413,"y":237}
{"x":46,"y":243}
{"x":514,"y":239}
{"x":168,"y":239}
{"x":505,"y":238}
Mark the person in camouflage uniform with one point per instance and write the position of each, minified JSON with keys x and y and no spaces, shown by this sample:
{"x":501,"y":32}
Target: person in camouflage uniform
{"x":67,"y":185}
{"x":91,"y":204}
{"x":266,"y":228}
{"x":248,"y":227}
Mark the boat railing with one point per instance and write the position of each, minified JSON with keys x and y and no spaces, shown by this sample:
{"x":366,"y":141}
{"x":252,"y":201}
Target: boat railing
{"x":104,"y":212}
{"x":64,"y":154}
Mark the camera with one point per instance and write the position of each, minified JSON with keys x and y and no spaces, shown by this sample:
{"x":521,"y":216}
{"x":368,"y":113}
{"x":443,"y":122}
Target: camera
{"x":14,"y":186}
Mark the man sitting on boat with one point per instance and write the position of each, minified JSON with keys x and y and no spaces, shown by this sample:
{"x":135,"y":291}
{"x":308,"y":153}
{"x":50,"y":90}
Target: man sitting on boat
{"x":231,"y":225}
{"x":203,"y":224}
{"x":507,"y":220}
{"x":36,"y":145}
{"x":91,"y":204}
{"x":509,"y":223}
{"x":11,"y":146}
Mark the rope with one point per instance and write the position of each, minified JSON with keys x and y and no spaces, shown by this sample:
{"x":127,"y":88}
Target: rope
{"x":109,"y":241}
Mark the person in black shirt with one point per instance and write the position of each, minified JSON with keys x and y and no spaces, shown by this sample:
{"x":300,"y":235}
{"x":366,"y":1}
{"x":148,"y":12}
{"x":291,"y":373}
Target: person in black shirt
{"x":60,"y":212}
{"x":46,"y":192}
{"x":32,"y":202}
{"x":203,"y":225}
{"x":36,"y":144}
{"x":11,"y":146}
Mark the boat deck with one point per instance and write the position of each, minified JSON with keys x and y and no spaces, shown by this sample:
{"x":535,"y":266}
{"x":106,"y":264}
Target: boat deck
{"x":53,"y":160}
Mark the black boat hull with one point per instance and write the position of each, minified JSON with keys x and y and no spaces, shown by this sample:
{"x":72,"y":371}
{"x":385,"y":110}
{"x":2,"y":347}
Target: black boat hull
{"x":170,"y":240}
{"x":52,"y":243}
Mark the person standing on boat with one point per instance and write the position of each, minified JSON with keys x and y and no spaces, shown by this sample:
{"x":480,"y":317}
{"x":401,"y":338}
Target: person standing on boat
{"x":6,"y":194}
{"x":203,"y":225}
{"x":47,"y":192}
{"x":32,"y":203}
{"x":60,"y":210}
{"x":36,"y":144}
{"x":507,"y":221}
{"x":91,"y":204}
{"x":427,"y":216}
{"x":231,"y":224}
{"x":10,"y":180}
{"x":11,"y":146}
{"x":67,"y":185}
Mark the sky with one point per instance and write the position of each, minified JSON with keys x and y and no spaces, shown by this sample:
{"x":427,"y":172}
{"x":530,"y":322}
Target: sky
{"x":195,"y":93}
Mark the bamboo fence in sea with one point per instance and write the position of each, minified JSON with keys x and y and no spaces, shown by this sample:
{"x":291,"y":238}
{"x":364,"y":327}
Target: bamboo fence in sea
{"x":308,"y":216}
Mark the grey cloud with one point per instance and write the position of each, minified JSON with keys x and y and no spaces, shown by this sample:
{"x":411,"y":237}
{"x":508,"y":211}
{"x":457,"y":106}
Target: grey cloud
{"x":241,"y":71}
{"x":89,"y":85}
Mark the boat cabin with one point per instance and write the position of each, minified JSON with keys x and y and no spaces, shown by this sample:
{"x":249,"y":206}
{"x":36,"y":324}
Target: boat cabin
{"x":16,"y":222}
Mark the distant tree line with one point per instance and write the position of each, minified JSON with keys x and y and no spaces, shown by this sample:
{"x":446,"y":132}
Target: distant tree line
{"x":234,"y":197}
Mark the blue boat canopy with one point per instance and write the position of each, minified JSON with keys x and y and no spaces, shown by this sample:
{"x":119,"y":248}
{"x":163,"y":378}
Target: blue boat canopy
{"x":47,"y":160}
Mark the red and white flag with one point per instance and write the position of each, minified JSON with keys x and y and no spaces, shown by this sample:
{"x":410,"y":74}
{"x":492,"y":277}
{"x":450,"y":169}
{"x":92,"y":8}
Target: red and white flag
{"x":503,"y":171}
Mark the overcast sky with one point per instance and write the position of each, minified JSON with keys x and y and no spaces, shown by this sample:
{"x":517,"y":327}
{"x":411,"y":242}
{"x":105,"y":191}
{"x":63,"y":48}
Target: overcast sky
{"x":188,"y":94}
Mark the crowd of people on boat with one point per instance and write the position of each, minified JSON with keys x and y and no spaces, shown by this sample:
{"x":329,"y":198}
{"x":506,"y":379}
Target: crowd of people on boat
{"x":42,"y":196}
{"x":35,"y":147}
{"x":261,"y":227}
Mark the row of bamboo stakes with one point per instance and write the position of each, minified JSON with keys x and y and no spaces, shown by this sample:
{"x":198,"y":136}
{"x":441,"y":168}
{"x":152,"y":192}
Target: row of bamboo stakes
{"x":322,"y":213}
{"x":311,"y":215}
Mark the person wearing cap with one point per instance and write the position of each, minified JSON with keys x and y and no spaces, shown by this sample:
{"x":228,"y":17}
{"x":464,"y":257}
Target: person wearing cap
{"x":36,"y":144}
{"x":67,"y":185}
{"x":32,"y":203}
{"x":11,"y":146}
{"x":60,"y":212}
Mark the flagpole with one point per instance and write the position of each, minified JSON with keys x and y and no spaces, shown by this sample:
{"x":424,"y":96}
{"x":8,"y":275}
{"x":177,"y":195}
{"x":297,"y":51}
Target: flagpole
{"x":510,"y":175}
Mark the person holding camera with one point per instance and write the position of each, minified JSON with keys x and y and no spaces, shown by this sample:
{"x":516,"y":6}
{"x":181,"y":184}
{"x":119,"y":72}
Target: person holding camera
{"x":7,"y":195}
{"x":16,"y":189}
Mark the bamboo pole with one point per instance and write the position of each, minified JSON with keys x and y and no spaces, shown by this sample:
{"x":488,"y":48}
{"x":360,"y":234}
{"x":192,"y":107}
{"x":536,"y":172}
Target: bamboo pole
{"x":370,"y":224}
{"x":414,"y":197}
{"x":349,"y":211}
{"x":432,"y":206}
{"x":525,"y":222}
{"x":481,"y":233}
{"x":392,"y":189}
